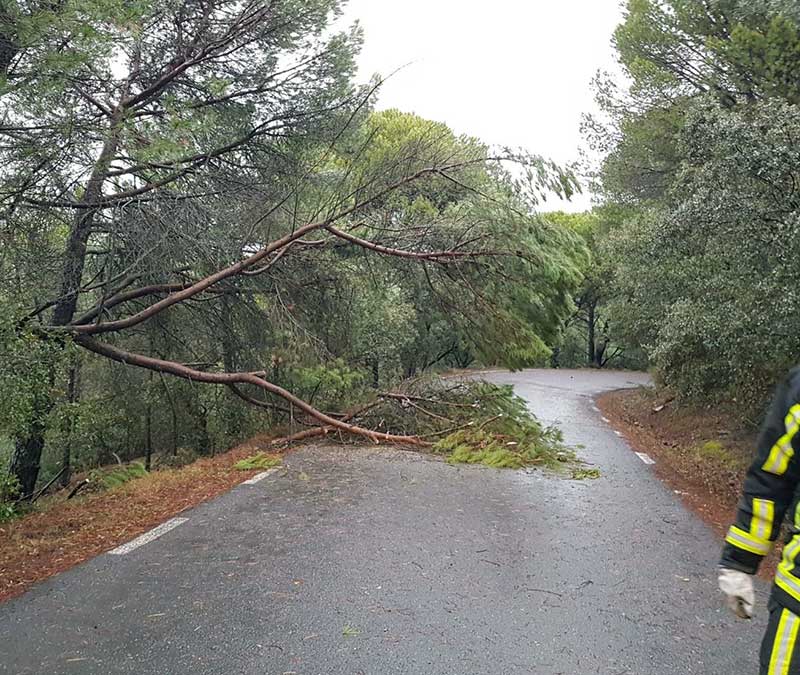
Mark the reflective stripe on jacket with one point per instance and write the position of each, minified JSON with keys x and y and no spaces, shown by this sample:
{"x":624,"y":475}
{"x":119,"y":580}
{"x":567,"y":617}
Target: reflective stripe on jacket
{"x":769,"y":490}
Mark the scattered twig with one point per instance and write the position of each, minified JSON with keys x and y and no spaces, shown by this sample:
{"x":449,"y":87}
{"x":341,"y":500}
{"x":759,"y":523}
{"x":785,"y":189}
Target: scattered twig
{"x":38,"y":494}
{"x":408,"y":397}
{"x":542,"y":590}
{"x":78,"y":488}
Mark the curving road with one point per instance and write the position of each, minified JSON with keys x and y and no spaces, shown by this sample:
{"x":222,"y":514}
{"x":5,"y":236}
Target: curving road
{"x":383,"y":562}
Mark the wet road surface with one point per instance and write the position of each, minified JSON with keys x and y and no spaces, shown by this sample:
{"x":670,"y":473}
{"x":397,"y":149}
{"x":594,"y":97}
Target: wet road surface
{"x":376,"y":562}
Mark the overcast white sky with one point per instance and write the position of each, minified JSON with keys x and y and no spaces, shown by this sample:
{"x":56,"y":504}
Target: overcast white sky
{"x":511,"y":72}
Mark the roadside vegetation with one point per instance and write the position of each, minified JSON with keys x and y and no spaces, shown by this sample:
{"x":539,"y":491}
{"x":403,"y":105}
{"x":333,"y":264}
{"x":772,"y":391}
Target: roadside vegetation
{"x":701,"y":452}
{"x":696,"y":241}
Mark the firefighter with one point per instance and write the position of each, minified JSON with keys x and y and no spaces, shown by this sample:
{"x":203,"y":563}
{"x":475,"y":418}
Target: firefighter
{"x":769,"y":490}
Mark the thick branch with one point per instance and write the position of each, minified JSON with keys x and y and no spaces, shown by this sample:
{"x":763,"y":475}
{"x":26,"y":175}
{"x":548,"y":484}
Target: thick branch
{"x":253,"y":260}
{"x":435,"y":256}
{"x":228,"y":379}
{"x":127,"y":296}
{"x":254,"y":401}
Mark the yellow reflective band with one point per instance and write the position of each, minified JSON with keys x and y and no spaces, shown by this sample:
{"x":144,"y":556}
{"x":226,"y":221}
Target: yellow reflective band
{"x":782,"y":452}
{"x":784,"y":577}
{"x":789,"y":554}
{"x":792,"y":421}
{"x":763,"y":516}
{"x":783,"y":647}
{"x":747,"y":541}
{"x":780,"y":456}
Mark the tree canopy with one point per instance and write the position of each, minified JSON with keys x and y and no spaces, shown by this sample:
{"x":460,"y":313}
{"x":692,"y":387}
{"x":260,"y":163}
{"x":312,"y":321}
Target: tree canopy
{"x":700,"y":152}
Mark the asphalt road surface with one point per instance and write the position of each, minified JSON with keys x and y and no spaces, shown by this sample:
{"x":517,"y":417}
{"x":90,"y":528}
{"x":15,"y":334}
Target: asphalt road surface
{"x":382,"y":562}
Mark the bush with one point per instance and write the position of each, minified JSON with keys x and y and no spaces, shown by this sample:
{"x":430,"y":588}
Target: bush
{"x":183,"y":457}
{"x":9,"y":492}
{"x":120,"y":476}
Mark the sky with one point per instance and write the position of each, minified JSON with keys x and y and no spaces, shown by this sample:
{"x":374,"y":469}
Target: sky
{"x":511,"y":72}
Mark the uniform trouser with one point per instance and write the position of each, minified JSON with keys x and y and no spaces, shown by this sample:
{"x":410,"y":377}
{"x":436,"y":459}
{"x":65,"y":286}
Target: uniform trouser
{"x":780,"y":650}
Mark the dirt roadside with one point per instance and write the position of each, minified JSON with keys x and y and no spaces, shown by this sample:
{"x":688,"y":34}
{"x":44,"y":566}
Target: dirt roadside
{"x":701,"y":454}
{"x":61,"y":534}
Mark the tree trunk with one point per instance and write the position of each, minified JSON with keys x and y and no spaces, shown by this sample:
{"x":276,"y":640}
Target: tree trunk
{"x":72,"y":397}
{"x":591,"y":336}
{"x":27,"y":456}
{"x":148,"y":419}
{"x":599,"y":359}
{"x":9,"y":46}
{"x":148,"y":436}
{"x":174,"y":445}
{"x":28,"y":450}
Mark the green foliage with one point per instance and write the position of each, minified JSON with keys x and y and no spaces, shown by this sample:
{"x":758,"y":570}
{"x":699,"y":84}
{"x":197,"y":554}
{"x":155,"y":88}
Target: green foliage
{"x":110,"y":479}
{"x":261,"y":460}
{"x":267,"y":132}
{"x":27,"y":368}
{"x":326,"y":385}
{"x":579,"y":473}
{"x":497,"y":451}
{"x":702,"y":155}
{"x":590,"y":337}
{"x":508,"y":437}
{"x":9,"y":492}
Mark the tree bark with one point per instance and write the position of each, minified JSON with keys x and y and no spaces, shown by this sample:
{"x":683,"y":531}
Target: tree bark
{"x":28,"y":455}
{"x":148,"y":430}
{"x":28,"y":450}
{"x":72,"y":397}
{"x":174,"y":417}
{"x":75,"y":254}
{"x":9,"y":46}
{"x":591,"y":335}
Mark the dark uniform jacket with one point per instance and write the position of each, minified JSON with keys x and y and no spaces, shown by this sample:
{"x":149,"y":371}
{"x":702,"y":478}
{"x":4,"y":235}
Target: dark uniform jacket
{"x":769,"y":490}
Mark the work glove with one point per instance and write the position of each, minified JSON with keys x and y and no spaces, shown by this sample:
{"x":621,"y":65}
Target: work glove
{"x":738,"y":589}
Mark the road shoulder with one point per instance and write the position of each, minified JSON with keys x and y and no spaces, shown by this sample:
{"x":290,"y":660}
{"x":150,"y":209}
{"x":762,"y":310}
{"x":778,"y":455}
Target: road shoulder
{"x":61,"y":534}
{"x":701,"y":454}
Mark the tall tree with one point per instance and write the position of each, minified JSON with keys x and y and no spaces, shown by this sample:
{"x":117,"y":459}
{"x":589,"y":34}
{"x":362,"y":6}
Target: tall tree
{"x":117,"y":114}
{"x":699,"y":151}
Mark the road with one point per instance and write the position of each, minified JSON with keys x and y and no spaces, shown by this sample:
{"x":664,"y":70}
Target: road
{"x":376,"y":562}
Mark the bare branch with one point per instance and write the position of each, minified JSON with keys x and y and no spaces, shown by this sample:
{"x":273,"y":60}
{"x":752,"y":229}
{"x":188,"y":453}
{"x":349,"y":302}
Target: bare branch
{"x":228,"y":379}
{"x":434,"y":256}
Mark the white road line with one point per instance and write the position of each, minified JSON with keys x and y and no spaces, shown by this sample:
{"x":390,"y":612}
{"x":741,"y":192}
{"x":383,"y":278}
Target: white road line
{"x":595,"y":408}
{"x":645,"y":458}
{"x":147,"y":537}
{"x":260,"y":476}
{"x":606,"y":420}
{"x":618,"y":433}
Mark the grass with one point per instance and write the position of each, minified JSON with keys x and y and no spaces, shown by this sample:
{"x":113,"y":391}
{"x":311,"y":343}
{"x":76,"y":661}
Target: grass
{"x":116,"y":477}
{"x":718,"y":453}
{"x":260,"y":461}
{"x":585,"y":474}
